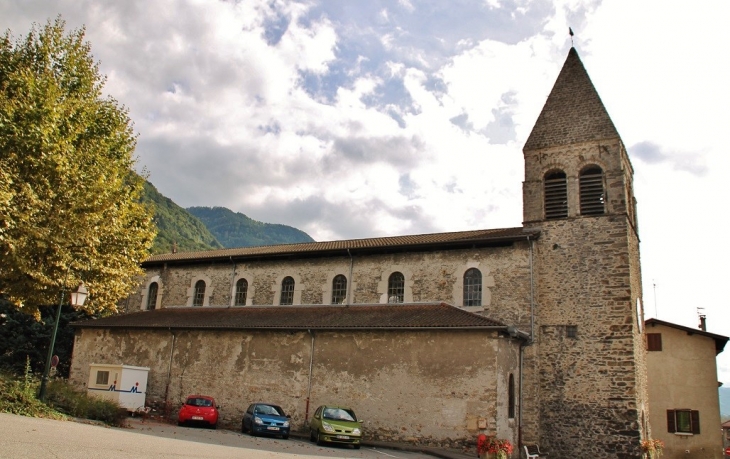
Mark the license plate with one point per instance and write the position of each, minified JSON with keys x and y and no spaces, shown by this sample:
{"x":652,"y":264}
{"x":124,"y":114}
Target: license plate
{"x":197,"y":418}
{"x":342,"y":437}
{"x":272,"y":428}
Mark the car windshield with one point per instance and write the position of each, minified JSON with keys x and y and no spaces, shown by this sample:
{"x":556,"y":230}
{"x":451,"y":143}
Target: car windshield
{"x":269,"y":409}
{"x":338,"y":414}
{"x":199,"y":402}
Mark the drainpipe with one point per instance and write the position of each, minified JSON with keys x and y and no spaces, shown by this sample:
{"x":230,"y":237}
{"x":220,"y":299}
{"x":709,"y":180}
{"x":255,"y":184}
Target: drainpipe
{"x":349,"y":282}
{"x":169,"y":367}
{"x":309,"y":389}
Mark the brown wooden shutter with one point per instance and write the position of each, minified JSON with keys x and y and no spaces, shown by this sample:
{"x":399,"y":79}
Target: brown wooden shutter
{"x":653,"y":341}
{"x":671,"y":422}
{"x":695,"y":416}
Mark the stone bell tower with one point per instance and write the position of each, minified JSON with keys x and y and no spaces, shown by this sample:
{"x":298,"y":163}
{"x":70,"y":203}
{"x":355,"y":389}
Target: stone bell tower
{"x":590,"y":373}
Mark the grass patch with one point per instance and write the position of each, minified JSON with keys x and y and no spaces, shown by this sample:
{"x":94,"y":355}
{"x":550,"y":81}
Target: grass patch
{"x":18,"y":395}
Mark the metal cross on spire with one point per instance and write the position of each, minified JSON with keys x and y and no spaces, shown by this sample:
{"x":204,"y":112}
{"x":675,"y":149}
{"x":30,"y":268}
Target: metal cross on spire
{"x":570,"y":31}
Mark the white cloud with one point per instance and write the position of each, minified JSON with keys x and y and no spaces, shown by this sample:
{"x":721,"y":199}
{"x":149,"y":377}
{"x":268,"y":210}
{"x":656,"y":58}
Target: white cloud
{"x":356,"y":121}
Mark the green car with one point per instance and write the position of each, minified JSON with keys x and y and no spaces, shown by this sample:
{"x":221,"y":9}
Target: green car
{"x":335,"y":424}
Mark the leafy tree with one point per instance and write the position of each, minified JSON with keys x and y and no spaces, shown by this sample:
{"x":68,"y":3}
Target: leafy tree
{"x":25,"y":339}
{"x":70,"y":206}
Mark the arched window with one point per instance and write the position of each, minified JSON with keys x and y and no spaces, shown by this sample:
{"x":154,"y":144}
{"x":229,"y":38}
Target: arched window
{"x":152,"y":296}
{"x":199,"y":293}
{"x":396,"y":287}
{"x":241,"y":291}
{"x":511,"y":401}
{"x":339,"y":289}
{"x":287,"y":291}
{"x":556,"y":195}
{"x":592,"y":196}
{"x":472,"y":287}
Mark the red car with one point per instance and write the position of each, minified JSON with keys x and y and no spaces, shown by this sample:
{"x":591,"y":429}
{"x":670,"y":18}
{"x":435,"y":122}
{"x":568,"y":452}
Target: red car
{"x":198,"y":409}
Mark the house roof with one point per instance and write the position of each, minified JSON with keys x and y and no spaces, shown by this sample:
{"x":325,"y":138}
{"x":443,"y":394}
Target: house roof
{"x":720,"y":340}
{"x":315,"y":317}
{"x":573,"y":112}
{"x":453,"y":240}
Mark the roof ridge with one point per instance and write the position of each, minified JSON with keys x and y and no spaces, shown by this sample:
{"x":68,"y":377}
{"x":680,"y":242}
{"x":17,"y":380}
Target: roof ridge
{"x":451,"y":237}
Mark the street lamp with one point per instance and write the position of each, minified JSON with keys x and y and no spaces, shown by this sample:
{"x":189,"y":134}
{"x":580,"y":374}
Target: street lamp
{"x":77,"y":299}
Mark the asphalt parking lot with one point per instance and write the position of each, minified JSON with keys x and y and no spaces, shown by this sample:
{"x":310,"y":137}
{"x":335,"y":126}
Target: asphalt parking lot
{"x":25,"y":437}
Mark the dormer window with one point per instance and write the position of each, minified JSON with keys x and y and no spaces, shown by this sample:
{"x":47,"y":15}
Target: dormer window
{"x":592,"y":196}
{"x":556,"y":195}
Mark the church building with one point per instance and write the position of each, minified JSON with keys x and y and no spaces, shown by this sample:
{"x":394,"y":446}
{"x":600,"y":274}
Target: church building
{"x":532,"y":334}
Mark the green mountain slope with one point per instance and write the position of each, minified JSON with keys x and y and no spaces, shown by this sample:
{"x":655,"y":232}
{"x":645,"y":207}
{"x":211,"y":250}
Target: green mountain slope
{"x":176,"y":225}
{"x":234,"y":229}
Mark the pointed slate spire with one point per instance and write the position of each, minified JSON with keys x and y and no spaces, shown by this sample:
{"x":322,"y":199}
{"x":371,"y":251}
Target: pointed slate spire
{"x":573,"y":112}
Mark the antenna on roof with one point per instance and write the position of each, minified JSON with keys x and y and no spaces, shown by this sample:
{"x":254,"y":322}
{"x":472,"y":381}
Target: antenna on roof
{"x":703,"y":318}
{"x":570,"y":31}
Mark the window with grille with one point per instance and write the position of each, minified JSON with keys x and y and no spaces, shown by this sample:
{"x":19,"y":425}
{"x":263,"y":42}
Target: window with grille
{"x":199,"y":293}
{"x":339,"y":289}
{"x":571,"y":331}
{"x":102,"y":377}
{"x":472,"y":287}
{"x":396,"y":287}
{"x":152,"y":296}
{"x":683,"y":421}
{"x":592,"y":196}
{"x":287,"y":291}
{"x":654,"y":342}
{"x":556,"y":195}
{"x":241,"y":292}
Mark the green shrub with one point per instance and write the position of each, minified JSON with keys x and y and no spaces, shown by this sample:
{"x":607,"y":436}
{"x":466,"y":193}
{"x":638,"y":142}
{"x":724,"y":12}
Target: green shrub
{"x":67,"y":399}
{"x":18,"y":396}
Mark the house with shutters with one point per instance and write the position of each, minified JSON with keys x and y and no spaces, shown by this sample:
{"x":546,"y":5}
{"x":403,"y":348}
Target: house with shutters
{"x":684,"y":404}
{"x":532,"y":333}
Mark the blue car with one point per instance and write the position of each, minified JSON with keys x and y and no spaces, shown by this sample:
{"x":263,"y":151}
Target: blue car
{"x":266,"y":419}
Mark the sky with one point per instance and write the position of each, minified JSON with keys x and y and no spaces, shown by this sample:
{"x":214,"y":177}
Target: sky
{"x":353,"y":119}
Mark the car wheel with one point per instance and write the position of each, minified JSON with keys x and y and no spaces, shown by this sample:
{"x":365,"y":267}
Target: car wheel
{"x":356,"y":446}
{"x":320,"y":442}
{"x":180,"y":423}
{"x":214,"y":426}
{"x":312,"y":438}
{"x":284,"y":437}
{"x":243,"y":427}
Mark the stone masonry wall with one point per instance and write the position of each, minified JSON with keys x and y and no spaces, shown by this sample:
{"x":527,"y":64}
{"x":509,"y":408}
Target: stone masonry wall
{"x":429,"y":387}
{"x":430,"y":276}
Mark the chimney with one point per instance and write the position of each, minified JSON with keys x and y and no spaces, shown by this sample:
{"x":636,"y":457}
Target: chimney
{"x":174,"y":247}
{"x":703,"y":322}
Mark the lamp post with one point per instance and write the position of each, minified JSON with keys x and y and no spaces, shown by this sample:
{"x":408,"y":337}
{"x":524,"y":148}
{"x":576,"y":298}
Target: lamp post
{"x":77,"y":299}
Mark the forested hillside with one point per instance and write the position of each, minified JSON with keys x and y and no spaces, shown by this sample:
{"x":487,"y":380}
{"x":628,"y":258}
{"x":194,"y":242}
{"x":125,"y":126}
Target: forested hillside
{"x":234,"y":229}
{"x":209,"y":228}
{"x":176,"y":225}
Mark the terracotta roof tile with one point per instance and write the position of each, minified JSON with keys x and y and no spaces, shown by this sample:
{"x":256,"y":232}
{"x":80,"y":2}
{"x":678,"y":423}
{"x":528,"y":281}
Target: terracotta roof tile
{"x":317,"y":317}
{"x":409,"y":241}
